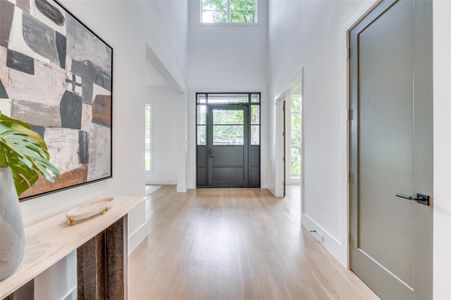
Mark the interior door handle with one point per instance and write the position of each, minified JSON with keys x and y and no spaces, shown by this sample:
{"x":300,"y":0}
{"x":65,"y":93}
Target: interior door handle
{"x":210,"y":153}
{"x":419,"y":198}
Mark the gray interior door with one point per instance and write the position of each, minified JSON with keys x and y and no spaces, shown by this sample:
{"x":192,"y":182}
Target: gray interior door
{"x":391,"y":149}
{"x":228,"y":145}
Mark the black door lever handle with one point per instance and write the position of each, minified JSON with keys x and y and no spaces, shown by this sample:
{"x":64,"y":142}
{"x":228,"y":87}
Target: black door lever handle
{"x":404,"y":196}
{"x":420,"y":198}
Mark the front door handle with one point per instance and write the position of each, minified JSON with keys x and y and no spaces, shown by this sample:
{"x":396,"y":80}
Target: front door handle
{"x":210,"y":153}
{"x":419,"y":198}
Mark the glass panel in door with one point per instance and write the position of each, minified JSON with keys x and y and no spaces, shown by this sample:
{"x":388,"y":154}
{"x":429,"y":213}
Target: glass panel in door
{"x":227,"y":145}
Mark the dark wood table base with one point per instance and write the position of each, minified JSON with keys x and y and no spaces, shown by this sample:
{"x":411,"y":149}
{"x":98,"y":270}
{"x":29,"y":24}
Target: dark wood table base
{"x":101,"y":267}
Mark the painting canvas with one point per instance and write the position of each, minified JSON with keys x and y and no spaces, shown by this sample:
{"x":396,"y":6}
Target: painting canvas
{"x":56,"y":75}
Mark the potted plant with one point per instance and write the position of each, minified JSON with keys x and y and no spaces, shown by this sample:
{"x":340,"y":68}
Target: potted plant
{"x":23,"y":158}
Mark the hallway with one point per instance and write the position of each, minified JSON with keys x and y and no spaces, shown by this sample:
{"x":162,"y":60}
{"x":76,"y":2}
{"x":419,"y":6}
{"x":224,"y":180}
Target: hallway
{"x":234,"y":244}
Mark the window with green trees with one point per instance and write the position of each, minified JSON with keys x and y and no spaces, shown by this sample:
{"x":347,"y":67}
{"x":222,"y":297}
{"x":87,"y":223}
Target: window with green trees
{"x":228,"y":127}
{"x":296,"y":138}
{"x":229,"y":11}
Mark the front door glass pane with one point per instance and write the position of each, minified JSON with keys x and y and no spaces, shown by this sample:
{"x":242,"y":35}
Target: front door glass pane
{"x":255,"y":114}
{"x":228,"y":135}
{"x":228,"y":117}
{"x":255,"y":98}
{"x":201,"y":135}
{"x":201,"y":114}
{"x":255,"y":135}
{"x":227,"y":98}
{"x":201,"y":98}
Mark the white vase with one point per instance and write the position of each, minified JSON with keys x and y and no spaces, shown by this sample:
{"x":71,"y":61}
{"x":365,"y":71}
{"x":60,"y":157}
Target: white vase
{"x":12,"y":241}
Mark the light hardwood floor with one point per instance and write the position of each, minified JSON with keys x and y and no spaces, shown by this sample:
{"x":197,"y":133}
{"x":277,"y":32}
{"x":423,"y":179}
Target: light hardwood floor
{"x":234,"y":244}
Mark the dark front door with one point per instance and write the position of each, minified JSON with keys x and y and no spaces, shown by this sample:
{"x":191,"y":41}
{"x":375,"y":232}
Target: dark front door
{"x":228,"y":140}
{"x":228,"y":145}
{"x":391,"y":149}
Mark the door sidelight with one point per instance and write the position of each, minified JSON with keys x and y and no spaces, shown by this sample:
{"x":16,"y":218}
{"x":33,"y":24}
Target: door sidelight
{"x":420,"y":198}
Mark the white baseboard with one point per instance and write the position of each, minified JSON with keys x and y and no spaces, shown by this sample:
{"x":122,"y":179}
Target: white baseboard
{"x":162,"y":181}
{"x":181,"y":188}
{"x":70,"y":293}
{"x":136,"y":237}
{"x":272,"y":190}
{"x":274,"y":193}
{"x":334,"y":246}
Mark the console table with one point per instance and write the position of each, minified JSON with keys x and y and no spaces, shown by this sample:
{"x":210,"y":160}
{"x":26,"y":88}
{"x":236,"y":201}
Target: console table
{"x":101,"y":245}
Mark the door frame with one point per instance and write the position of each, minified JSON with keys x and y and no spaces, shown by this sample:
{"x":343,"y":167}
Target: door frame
{"x":281,"y":179}
{"x":346,"y":29}
{"x":249,"y":103}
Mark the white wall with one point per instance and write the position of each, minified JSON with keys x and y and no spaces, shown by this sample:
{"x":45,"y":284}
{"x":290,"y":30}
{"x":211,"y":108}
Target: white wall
{"x":174,"y":16}
{"x":166,"y":33}
{"x":169,"y":42}
{"x":311,"y":34}
{"x":226,"y":58}
{"x":442,"y":149}
{"x":128,"y":26}
{"x":164,"y":102}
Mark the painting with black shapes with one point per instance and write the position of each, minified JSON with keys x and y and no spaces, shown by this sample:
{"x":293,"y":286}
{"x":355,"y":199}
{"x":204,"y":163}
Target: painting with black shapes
{"x":56,"y":75}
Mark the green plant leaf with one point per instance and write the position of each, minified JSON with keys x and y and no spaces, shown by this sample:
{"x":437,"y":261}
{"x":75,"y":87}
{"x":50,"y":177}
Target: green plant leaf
{"x":23,"y":176}
{"x":25,"y":152}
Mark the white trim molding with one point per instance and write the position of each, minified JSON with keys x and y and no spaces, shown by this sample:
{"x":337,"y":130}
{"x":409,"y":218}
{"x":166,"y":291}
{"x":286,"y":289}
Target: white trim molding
{"x":136,"y":237}
{"x":334,"y":246}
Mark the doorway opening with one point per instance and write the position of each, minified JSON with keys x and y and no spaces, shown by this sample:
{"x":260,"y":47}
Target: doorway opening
{"x":228,"y":139}
{"x":289,"y":143}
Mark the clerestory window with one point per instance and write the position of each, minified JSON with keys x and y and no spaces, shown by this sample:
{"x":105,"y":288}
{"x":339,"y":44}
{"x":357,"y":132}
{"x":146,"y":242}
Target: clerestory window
{"x":228,"y":11}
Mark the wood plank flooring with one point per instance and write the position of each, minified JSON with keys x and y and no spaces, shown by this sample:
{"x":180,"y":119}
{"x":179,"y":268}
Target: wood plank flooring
{"x":232,"y":244}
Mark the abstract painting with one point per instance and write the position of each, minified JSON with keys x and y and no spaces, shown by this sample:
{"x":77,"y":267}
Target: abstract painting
{"x":56,"y":75}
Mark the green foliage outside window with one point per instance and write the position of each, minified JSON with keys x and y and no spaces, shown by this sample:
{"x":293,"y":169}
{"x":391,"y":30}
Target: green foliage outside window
{"x":229,"y":11}
{"x":296,"y":138}
{"x":228,"y":116}
{"x":255,"y":114}
{"x":228,"y":126}
{"x":228,"y":135}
